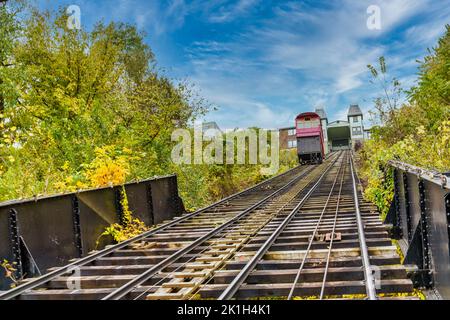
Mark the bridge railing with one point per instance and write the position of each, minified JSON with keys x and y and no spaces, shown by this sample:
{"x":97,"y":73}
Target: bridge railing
{"x":420,"y":219}
{"x":44,"y":232}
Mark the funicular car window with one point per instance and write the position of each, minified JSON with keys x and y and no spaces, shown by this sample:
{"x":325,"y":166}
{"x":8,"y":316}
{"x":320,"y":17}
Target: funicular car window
{"x":307,"y":123}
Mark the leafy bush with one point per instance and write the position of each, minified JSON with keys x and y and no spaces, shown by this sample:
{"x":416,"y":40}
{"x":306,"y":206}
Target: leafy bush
{"x":417,"y":132}
{"x":129,"y":226}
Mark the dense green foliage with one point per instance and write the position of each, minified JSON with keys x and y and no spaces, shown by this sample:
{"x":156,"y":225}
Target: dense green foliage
{"x":200,"y":184}
{"x":81,"y":109}
{"x":416,"y":132}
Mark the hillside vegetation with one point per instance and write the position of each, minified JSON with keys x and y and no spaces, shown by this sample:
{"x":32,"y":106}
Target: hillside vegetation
{"x":416,"y":132}
{"x":82,"y":109}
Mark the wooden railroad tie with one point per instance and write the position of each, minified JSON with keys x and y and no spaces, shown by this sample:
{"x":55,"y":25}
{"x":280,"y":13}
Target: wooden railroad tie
{"x":185,"y":283}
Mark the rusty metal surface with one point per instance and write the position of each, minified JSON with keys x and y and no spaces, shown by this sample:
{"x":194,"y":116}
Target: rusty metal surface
{"x":414,"y":200}
{"x":441,"y":179}
{"x":5,"y":250}
{"x":439,"y":238}
{"x":435,"y":192}
{"x":49,"y":228}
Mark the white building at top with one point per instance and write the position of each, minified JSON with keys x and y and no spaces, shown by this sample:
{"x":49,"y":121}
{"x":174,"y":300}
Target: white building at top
{"x":355,"y":119}
{"x":338,"y":135}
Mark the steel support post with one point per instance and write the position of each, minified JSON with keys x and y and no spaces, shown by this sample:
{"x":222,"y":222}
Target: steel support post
{"x":149,"y":195}
{"x":424,"y":226}
{"x":393,"y":217}
{"x":419,"y":247}
{"x":407,"y":206}
{"x":425,"y":275}
{"x":447,"y":213}
{"x":15,"y":243}
{"x":118,"y":197}
{"x":174,"y":195}
{"x":77,"y":225}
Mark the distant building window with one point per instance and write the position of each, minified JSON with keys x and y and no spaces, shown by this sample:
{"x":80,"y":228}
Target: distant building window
{"x":357,"y":131}
{"x":292,"y":144}
{"x":291,"y":132}
{"x":355,"y":119}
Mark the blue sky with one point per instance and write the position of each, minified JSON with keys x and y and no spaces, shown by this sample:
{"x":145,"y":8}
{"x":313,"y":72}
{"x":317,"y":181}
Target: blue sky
{"x":262,"y":62}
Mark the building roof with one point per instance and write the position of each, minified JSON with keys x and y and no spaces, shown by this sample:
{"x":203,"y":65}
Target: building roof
{"x":354,"y":110}
{"x":321,"y":112}
{"x":307,"y":114}
{"x":338,"y":123}
{"x":210,"y":125}
{"x":286,"y":128}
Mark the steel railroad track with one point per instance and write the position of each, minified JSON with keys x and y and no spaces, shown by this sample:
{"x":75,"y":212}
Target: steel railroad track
{"x":331,"y":245}
{"x":307,"y":232}
{"x":169,"y":237}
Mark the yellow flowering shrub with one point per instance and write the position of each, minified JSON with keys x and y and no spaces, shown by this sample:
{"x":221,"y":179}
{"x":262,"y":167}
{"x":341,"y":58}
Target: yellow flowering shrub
{"x":9,"y":270}
{"x":129,"y":226}
{"x":107,"y":169}
{"x":424,"y":149}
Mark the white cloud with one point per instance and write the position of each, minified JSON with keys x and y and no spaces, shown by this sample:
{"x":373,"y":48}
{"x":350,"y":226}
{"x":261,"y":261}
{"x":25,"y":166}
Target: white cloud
{"x":426,"y":34}
{"x":394,"y":12}
{"x":298,"y":56}
{"x":246,"y":113}
{"x":272,"y":69}
{"x":341,"y":114}
{"x":155,"y":17}
{"x":232,"y":11}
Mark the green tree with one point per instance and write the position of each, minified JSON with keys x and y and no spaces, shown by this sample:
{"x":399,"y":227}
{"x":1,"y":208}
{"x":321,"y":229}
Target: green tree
{"x":82,"y":99}
{"x":91,"y":108}
{"x":10,"y":30}
{"x":432,"y":94}
{"x":417,"y":131}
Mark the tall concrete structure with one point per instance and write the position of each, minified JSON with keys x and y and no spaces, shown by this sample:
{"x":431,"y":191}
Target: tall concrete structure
{"x":355,"y":120}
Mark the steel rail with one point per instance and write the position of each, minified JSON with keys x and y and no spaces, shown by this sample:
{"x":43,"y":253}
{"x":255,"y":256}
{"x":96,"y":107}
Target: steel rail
{"x":142,"y":278}
{"x":333,"y":231}
{"x":369,"y":283}
{"x":42,"y":280}
{"x":222,"y":236}
{"x":311,"y":240}
{"x":234,"y":286}
{"x":278,"y":211}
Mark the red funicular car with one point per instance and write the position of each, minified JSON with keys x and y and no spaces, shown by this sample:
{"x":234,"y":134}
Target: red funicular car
{"x":310,"y":147}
